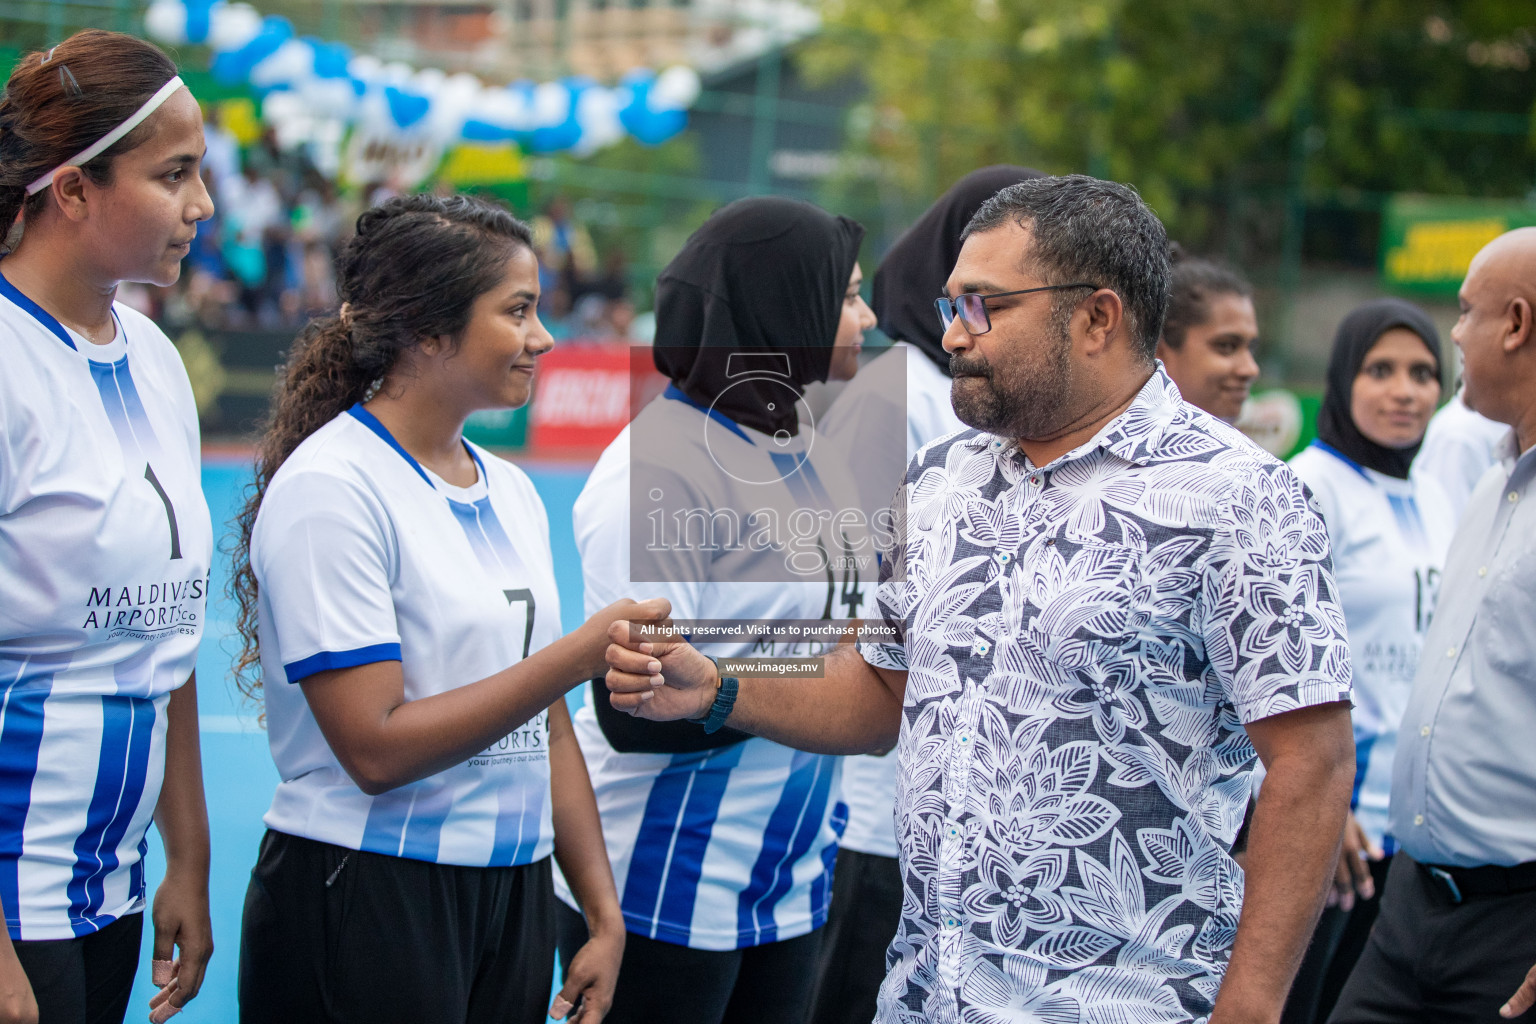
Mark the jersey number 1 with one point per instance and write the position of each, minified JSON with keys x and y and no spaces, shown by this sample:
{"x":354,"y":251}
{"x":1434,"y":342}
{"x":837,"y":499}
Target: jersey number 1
{"x":170,"y":513}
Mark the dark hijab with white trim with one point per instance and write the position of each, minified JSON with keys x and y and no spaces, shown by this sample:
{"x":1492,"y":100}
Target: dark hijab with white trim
{"x":1357,"y":335}
{"x":761,"y":275}
{"x":915,"y":269}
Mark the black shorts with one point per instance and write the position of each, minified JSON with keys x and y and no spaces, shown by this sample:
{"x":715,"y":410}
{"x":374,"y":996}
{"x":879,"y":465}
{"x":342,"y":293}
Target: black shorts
{"x":86,"y":980}
{"x":336,"y":935}
{"x":866,"y":911}
{"x":663,"y":983}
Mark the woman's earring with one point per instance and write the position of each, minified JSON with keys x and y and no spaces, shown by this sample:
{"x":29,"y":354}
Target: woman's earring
{"x":373,"y":389}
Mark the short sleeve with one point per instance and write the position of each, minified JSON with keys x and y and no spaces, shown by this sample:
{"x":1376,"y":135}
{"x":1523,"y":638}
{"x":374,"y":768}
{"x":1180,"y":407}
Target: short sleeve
{"x":321,"y":551}
{"x":1319,"y":488}
{"x":1271,"y":620}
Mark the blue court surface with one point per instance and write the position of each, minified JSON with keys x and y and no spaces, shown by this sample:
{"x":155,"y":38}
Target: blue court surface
{"x":237,"y":768}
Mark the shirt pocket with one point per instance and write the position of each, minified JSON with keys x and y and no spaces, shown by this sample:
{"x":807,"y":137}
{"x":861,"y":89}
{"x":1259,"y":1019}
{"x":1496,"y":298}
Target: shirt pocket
{"x":1077,"y":599}
{"x":1510,"y":607}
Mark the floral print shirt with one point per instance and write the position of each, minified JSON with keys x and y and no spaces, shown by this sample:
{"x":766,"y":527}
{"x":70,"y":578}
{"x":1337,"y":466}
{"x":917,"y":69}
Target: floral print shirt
{"x":1084,"y":642}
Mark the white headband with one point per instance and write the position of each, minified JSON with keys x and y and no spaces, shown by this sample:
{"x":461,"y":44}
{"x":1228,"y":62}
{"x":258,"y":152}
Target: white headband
{"x":101,"y":145}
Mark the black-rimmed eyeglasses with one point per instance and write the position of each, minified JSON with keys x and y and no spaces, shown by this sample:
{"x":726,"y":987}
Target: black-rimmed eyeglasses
{"x":971,"y":307}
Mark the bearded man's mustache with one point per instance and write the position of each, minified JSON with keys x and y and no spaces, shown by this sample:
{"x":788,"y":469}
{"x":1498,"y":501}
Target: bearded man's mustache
{"x":963,"y":366}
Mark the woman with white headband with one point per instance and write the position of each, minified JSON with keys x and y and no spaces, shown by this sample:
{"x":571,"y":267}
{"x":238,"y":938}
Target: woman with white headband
{"x":105,"y":539}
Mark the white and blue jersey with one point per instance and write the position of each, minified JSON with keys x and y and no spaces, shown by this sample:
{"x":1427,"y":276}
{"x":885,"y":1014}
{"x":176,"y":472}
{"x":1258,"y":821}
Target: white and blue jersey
{"x":105,"y":544}
{"x":362,"y":555}
{"x":854,"y":424}
{"x":733,"y":847}
{"x":1389,"y":539}
{"x":1458,"y":449}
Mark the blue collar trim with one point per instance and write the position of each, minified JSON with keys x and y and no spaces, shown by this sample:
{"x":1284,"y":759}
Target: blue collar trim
{"x":38,"y":313}
{"x":1331,"y":450}
{"x":371,"y":421}
{"x":676,"y":394}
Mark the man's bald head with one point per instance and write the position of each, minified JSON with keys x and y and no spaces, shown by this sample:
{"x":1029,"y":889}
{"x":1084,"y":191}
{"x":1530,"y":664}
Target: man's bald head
{"x":1497,"y":334}
{"x":1507,"y":264}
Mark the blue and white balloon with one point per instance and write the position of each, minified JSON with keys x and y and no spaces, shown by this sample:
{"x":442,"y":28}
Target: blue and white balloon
{"x":306,"y":82}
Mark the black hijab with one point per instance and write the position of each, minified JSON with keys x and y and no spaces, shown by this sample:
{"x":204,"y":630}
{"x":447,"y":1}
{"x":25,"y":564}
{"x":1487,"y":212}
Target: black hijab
{"x":913,"y":272}
{"x":766,"y":274}
{"x":1357,"y":334}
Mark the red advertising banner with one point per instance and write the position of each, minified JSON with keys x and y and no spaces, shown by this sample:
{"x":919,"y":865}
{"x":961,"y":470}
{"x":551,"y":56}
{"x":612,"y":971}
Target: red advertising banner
{"x":584,"y":394}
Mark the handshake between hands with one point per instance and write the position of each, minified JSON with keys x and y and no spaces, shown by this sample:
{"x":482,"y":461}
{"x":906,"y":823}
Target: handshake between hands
{"x":654,"y":673}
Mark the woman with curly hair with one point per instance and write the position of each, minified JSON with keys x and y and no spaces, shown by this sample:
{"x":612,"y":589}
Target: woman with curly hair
{"x":396,"y":585}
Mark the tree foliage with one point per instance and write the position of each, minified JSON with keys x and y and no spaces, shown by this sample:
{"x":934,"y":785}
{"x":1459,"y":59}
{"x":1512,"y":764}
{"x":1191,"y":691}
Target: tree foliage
{"x":1191,"y":99}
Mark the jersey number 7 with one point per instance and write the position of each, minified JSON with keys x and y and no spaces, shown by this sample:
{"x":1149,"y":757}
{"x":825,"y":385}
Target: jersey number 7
{"x":524,"y":595}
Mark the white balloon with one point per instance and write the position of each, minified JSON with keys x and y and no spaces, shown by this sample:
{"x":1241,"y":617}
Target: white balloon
{"x":328,"y":97}
{"x":290,"y":62}
{"x":676,"y":89}
{"x":450,"y":108}
{"x":597,"y":111}
{"x":231,"y":26}
{"x":373,"y":113}
{"x":504,"y":108}
{"x":166,"y":20}
{"x":396,"y":72}
{"x":365,"y":67}
{"x":427,"y":81}
{"x":551,"y":104}
{"x":282,"y":105}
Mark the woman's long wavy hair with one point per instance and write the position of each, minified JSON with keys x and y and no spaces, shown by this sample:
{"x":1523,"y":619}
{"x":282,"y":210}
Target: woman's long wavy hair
{"x":413,"y":271}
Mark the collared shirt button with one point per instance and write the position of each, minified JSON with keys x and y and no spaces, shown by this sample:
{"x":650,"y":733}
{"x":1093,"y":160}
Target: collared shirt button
{"x":964,"y":737}
{"x":1424,"y":730}
{"x":950,"y":922}
{"x":1482,"y":570}
{"x":1418,"y":819}
{"x":1450,"y":652}
{"x":1514,"y":496}
{"x":1034,"y":480}
{"x":1004,"y":557}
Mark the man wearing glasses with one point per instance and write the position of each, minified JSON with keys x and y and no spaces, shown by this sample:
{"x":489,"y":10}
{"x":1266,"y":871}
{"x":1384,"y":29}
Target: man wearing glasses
{"x":1105,"y":610}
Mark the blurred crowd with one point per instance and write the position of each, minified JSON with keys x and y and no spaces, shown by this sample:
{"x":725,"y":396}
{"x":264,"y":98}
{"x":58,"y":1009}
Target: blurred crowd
{"x":266,"y":260}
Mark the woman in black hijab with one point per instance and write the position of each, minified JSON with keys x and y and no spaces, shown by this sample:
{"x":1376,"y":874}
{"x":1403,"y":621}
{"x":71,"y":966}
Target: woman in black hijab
{"x":1343,"y":414}
{"x":914,"y":270}
{"x":765,"y":275}
{"x":724,"y":842}
{"x":1389,"y":533}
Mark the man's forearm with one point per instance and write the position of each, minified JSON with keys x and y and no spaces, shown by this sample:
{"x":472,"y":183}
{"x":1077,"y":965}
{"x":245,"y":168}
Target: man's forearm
{"x":851,"y":710}
{"x":1293,"y":846}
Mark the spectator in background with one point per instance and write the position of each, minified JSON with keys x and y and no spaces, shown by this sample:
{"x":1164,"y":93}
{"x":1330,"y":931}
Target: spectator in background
{"x":1389,"y":532}
{"x":565,"y":249}
{"x":621,"y":321}
{"x":255,"y":212}
{"x":1460,"y":447}
{"x":1454,"y":938}
{"x":1208,"y":339}
{"x":221,"y":163}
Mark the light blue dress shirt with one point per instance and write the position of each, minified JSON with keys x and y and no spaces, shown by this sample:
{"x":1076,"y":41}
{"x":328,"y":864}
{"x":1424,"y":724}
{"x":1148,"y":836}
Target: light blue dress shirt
{"x":1464,"y":784}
